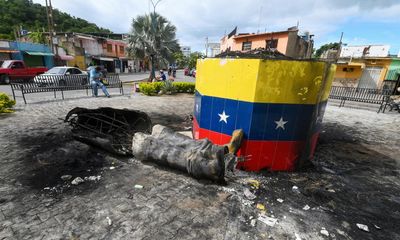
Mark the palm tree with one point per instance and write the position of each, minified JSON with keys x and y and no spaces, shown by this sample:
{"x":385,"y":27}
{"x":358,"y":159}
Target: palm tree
{"x":153,"y":37}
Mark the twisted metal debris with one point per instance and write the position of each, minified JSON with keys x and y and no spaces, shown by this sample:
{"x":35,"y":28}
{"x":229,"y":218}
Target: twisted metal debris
{"x":108,"y":128}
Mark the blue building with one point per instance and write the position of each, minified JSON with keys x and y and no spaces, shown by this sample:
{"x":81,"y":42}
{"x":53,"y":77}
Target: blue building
{"x":33,"y":54}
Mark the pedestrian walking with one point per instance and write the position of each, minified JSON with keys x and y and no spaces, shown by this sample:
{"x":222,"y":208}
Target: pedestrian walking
{"x":95,"y":76}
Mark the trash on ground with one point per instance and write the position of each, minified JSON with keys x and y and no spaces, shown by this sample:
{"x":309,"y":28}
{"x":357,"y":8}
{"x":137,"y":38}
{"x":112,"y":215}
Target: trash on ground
{"x":77,"y":181}
{"x":260,"y":207}
{"x":279,"y":200}
{"x":109,"y":221}
{"x":92,"y":178}
{"x":331,"y":190}
{"x":363,"y":227}
{"x":226,"y":189}
{"x":306,"y":208}
{"x":253,"y":222}
{"x":377,"y":227}
{"x":66,"y":177}
{"x":267,"y":220}
{"x":246,"y":202}
{"x":254,"y":183}
{"x":297,"y":236}
{"x":112,"y":168}
{"x":324,"y":232}
{"x":249,"y":195}
{"x":138,"y":186}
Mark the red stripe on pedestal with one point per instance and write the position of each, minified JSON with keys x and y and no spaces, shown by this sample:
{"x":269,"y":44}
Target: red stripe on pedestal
{"x":273,"y":155}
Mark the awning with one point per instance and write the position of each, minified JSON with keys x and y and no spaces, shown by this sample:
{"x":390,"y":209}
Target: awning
{"x":104,"y":59}
{"x":66,"y":57}
{"x":355,"y":64}
{"x":7,"y":51}
{"x":39,"y":53}
{"x":85,"y":37}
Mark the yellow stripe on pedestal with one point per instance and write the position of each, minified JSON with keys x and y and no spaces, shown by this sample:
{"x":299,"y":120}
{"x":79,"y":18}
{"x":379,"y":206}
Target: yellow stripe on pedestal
{"x":263,"y":81}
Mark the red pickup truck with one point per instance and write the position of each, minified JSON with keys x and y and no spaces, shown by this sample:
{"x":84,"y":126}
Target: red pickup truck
{"x":16,"y":69}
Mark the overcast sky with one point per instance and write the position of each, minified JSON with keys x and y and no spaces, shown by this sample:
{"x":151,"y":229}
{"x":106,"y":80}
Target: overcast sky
{"x":362,"y":21}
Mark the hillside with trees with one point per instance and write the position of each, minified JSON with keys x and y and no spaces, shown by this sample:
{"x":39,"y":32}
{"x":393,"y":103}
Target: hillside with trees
{"x":32,"y":17}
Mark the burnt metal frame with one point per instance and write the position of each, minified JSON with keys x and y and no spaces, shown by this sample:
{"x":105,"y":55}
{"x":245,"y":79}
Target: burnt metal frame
{"x":62,"y":83}
{"x":111,"y":123}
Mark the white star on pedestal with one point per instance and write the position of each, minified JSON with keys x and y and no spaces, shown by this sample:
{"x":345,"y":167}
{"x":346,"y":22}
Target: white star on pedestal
{"x":280,"y":124}
{"x":223,"y":117}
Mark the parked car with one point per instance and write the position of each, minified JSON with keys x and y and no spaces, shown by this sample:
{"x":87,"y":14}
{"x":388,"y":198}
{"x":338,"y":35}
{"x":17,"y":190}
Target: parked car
{"x":16,"y":69}
{"x":192,"y":73}
{"x":61,"y":76}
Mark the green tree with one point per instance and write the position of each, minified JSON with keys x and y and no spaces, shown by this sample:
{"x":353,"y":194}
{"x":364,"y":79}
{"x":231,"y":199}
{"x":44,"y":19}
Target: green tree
{"x":37,"y":37}
{"x":153,"y":37}
{"x":326,"y":47}
{"x":180,"y":59}
{"x":32,"y":16}
{"x":193,"y":59}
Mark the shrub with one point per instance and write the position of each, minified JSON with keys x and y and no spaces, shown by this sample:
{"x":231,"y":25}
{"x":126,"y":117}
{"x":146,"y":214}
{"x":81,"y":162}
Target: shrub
{"x":6,"y":103}
{"x":168,"y":87}
{"x":151,"y":89}
{"x":184,"y":87}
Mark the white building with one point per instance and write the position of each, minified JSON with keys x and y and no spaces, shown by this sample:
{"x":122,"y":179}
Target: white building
{"x":364,"y":51}
{"x":186,"y":50}
{"x":214,"y":49}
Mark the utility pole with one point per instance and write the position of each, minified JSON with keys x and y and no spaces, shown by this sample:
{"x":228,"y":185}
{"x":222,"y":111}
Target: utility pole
{"x":339,"y":49}
{"x":259,"y":20}
{"x":50,"y":26}
{"x":206,"y":46}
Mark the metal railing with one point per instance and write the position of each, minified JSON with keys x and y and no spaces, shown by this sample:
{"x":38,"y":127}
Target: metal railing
{"x":61,"y":83}
{"x":364,"y":95}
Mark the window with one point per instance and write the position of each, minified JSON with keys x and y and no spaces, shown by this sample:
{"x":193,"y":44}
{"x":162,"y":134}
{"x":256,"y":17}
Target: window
{"x":18,"y":65}
{"x":272,"y":43}
{"x":76,"y":71}
{"x":246,"y":46}
{"x":109,"y":48}
{"x":348,"y":69}
{"x":121,"y":49}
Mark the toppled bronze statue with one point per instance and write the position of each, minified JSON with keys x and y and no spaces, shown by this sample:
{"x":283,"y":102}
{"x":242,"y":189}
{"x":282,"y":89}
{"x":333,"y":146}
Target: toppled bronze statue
{"x":199,"y":158}
{"x":128,"y":132}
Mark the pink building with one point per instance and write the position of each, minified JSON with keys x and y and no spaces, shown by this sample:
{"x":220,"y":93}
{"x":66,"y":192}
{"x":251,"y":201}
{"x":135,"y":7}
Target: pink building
{"x":287,"y":42}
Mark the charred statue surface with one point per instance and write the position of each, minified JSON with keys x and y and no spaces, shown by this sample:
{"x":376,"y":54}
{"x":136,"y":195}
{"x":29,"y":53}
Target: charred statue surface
{"x":108,"y":128}
{"x":198,"y":158}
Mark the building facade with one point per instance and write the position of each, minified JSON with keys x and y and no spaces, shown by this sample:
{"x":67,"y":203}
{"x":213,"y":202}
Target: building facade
{"x":286,"y":42}
{"x":186,"y":51}
{"x":366,"y":66}
{"x":34,"y":55}
{"x":83,"y":50}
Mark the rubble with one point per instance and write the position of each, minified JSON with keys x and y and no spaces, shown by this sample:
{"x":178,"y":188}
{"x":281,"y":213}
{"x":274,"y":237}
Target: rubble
{"x":324,"y":232}
{"x":363,"y":227}
{"x":270,"y":221}
{"x":66,"y":177}
{"x":138,"y":186}
{"x":77,"y":181}
{"x":92,"y":178}
{"x":280,"y":200}
{"x":249,"y":195}
{"x":306,"y":208}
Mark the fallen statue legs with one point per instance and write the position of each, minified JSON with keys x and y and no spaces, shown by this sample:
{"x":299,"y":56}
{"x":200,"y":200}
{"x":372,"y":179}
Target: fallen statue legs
{"x":199,"y":158}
